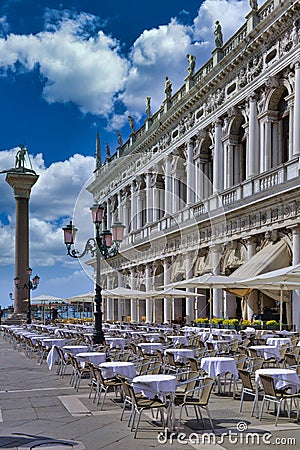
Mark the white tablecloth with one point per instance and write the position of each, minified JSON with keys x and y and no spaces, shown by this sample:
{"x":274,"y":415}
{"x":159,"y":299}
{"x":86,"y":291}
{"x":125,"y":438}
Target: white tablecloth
{"x":111,"y":369}
{"x":74,"y":349}
{"x":180,"y":354}
{"x":267,"y":351}
{"x":115,"y":342}
{"x":151,"y":385}
{"x":152,"y":337}
{"x":48,"y":342}
{"x":93,"y":357}
{"x":148,"y":347}
{"x":219,"y":365}
{"x":179,"y":340}
{"x":282,"y":377}
{"x":278,"y":342}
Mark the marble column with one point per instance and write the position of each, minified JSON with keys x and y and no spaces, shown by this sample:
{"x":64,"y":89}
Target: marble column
{"x":217,"y":293}
{"x":21,"y":182}
{"x":133,"y":301}
{"x":168,"y":185}
{"x":190,"y":173}
{"x":296,"y":293}
{"x":120,"y":207}
{"x":120,"y":300}
{"x":218,"y":172}
{"x":109,"y":302}
{"x":149,"y":205}
{"x":296,"y":133}
{"x":252,"y":299}
{"x":133,"y":207}
{"x":149,"y":308}
{"x":167,"y":301}
{"x":190,"y":301}
{"x":253,"y":137}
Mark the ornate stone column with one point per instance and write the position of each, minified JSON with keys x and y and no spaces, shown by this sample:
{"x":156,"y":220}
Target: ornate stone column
{"x":167,"y":301}
{"x":168,"y":185}
{"x":253,"y":146}
{"x":218,"y":171}
{"x":21,"y":182}
{"x":190,"y":173}
{"x":217,"y":293}
{"x":296,"y":294}
{"x":133,"y":207}
{"x":149,"y":205}
{"x":296,"y":133}
{"x":121,"y":311}
{"x":133,"y":304}
{"x":190,"y":301}
{"x":149,"y":308}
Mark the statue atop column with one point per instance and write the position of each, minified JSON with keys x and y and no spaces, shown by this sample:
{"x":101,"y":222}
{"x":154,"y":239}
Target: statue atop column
{"x":218,"y":35}
{"x":120,"y":139}
{"x":192,"y":62}
{"x":148,"y":107}
{"x":168,"y":88}
{"x":253,"y":5}
{"x":107,"y":150}
{"x":20,"y":157}
{"x":131,"y":124}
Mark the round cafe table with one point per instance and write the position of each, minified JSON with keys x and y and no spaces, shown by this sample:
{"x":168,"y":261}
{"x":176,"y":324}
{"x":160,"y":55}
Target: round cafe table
{"x":278,"y":342}
{"x":95,"y":358}
{"x":180,"y":354}
{"x":114,"y":368}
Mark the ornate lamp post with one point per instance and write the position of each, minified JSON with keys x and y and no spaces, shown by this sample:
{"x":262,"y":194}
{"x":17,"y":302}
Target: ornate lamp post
{"x":31,"y":285}
{"x":105,"y":244}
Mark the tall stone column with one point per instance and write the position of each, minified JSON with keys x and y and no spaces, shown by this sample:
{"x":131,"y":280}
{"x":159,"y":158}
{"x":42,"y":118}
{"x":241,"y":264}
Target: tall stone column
{"x":109,"y":302}
{"x":21,"y":182}
{"x":133,"y":208}
{"x":296,"y":133}
{"x":190,"y":173}
{"x":217,"y":293}
{"x":120,"y":304}
{"x":296,"y":293}
{"x":190,"y":301}
{"x":218,"y":173}
{"x":133,"y":301}
{"x":149,"y":308}
{"x":167,"y":301}
{"x":149,"y":206}
{"x":168,"y":185}
{"x":253,"y":138}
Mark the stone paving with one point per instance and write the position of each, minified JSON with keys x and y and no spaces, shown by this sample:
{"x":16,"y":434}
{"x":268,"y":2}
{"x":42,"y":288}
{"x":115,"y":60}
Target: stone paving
{"x":40,"y":410}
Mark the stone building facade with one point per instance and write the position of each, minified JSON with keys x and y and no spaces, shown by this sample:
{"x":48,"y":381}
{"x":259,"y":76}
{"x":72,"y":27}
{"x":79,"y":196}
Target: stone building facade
{"x":210,"y":182}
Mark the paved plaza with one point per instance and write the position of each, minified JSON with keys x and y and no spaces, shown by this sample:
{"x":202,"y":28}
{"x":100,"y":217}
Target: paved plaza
{"x":40,"y":410}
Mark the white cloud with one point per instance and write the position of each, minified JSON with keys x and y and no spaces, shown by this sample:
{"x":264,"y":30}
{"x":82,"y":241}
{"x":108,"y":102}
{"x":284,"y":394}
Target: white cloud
{"x":85,"y":70}
{"x":80,"y":64}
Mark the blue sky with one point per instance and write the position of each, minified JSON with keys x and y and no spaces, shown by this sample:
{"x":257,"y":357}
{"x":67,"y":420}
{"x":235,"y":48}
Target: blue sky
{"x":67,"y":70}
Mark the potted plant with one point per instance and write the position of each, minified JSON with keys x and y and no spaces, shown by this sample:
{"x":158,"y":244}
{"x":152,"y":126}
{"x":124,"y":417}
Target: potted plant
{"x":272,"y":325}
{"x":217,"y":322}
{"x":201,"y":321}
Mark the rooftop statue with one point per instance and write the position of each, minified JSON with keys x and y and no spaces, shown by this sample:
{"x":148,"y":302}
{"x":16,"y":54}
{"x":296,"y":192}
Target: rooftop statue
{"x":131,"y":123}
{"x":219,"y":35}
{"x":168,"y":88}
{"x":148,"y":107}
{"x":120,"y":139}
{"x":192,"y":62}
{"x":253,"y":5}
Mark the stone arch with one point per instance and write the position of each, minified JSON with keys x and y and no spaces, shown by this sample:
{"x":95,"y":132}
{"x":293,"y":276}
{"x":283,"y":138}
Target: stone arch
{"x":279,"y":113}
{"x":236,"y":150}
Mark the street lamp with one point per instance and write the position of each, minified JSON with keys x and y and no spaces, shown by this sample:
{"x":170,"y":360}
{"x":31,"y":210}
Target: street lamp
{"x":31,"y":285}
{"x":105,"y":244}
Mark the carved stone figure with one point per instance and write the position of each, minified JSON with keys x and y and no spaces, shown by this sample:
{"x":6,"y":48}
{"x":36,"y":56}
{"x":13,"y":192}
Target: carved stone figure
{"x":131,"y":123}
{"x":218,"y":35}
{"x":107,"y":149}
{"x":192,"y":63}
{"x":168,"y":88}
{"x":253,"y":5}
{"x":148,"y":107}
{"x":120,"y":139}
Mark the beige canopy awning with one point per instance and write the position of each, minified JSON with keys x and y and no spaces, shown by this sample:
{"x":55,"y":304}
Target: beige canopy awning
{"x":271,"y":257}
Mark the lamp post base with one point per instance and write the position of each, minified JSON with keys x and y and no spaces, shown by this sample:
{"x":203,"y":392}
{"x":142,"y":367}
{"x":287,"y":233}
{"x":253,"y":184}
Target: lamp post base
{"x":98,"y":337}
